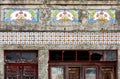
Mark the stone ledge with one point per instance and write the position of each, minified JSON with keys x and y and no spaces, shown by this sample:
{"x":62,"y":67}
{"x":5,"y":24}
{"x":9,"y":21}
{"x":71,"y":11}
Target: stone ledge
{"x":83,"y":2}
{"x":20,"y":2}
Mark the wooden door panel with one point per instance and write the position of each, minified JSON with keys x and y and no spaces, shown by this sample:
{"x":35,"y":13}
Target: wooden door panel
{"x":29,"y":72}
{"x":74,"y":73}
{"x":21,"y":72}
{"x":108,"y":73}
{"x":12,"y":72}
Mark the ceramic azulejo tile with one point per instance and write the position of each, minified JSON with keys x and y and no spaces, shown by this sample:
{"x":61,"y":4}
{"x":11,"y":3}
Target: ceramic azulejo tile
{"x":21,"y":15}
{"x":64,"y":15}
{"x":105,"y":38}
{"x":114,"y":38}
{"x":113,"y":34}
{"x":109,"y":38}
{"x":101,"y":15}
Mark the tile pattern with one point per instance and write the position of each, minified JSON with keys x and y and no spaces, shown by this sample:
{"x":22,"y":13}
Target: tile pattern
{"x":67,"y":15}
{"x":101,"y":15}
{"x":20,"y":14}
{"x":59,"y":37}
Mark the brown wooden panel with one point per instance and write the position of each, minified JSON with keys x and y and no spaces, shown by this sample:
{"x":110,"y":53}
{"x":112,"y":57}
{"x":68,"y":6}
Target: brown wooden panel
{"x":74,"y":73}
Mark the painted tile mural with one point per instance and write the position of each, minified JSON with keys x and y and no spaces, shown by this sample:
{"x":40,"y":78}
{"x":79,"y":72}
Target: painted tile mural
{"x":20,"y":14}
{"x":101,"y":16}
{"x":67,"y":15}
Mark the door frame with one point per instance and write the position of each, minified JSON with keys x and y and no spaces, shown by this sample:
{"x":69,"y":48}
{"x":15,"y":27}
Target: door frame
{"x":34,"y":64}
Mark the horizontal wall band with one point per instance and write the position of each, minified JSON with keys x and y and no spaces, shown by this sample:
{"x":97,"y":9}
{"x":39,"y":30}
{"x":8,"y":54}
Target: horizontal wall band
{"x":59,"y":38}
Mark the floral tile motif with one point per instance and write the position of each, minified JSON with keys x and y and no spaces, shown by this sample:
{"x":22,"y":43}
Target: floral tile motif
{"x":21,"y":15}
{"x":107,"y":15}
{"x":67,"y":15}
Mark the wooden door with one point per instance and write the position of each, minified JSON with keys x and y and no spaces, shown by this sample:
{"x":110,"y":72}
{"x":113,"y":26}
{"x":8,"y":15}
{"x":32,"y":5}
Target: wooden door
{"x":12,"y":72}
{"x":21,"y":72}
{"x":108,"y":73}
{"x":29,"y":72}
{"x":74,"y":72}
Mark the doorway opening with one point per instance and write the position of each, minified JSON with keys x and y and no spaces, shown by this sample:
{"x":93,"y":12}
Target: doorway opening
{"x":21,"y":64}
{"x":83,"y":64}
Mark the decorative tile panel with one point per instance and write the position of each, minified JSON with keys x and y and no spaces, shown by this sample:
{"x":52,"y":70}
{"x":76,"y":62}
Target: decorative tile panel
{"x":59,"y":37}
{"x":101,"y":16}
{"x":67,"y":15}
{"x":21,"y":14}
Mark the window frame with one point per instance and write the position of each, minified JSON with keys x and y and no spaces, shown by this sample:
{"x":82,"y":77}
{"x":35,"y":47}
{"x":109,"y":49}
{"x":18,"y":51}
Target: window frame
{"x":85,"y":64}
{"x":89,"y":51}
{"x":20,"y":52}
{"x":82,"y":67}
{"x":20,"y":64}
{"x":50,"y":69}
{"x":90,"y":67}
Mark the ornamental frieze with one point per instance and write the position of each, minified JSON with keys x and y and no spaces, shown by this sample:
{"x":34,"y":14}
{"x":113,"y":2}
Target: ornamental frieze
{"x":59,"y":37}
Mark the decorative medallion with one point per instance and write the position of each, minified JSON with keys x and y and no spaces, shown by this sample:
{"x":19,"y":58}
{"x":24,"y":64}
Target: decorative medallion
{"x":19,"y":14}
{"x":101,"y":16}
{"x":64,"y":15}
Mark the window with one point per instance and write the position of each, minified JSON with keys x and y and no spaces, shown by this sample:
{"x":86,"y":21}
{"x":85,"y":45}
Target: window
{"x":96,"y":55}
{"x":83,"y":64}
{"x":69,"y":55}
{"x":20,"y":56}
{"x":82,"y":55}
{"x":110,"y":56}
{"x":55,"y":55}
{"x":13,"y":56}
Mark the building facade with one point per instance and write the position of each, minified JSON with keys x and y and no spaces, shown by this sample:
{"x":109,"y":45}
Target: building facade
{"x":59,"y":39}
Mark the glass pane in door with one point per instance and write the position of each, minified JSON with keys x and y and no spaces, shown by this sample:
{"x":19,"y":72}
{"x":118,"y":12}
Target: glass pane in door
{"x":57,"y":73}
{"x":90,"y":73}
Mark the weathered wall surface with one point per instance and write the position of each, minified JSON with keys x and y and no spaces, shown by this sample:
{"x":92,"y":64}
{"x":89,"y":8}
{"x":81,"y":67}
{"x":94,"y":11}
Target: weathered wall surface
{"x":45,"y":24}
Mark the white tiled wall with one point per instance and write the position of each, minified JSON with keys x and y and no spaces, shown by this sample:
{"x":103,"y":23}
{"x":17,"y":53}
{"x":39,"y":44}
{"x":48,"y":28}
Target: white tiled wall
{"x":59,"y":38}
